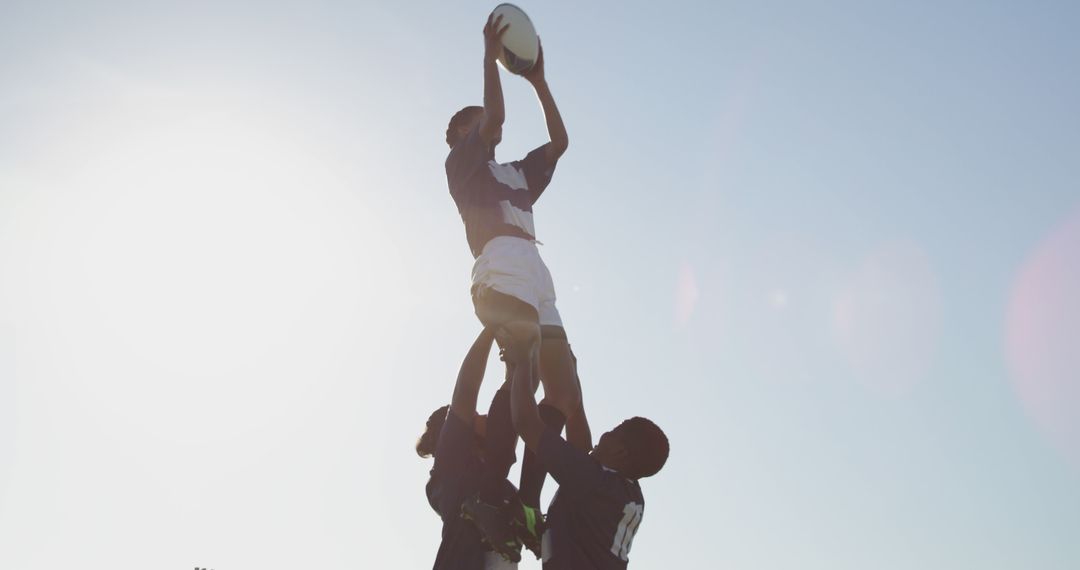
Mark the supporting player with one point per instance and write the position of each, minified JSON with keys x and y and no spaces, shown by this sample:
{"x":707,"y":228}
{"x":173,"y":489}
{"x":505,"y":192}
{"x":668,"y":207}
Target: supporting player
{"x":512,"y":288}
{"x":454,"y":434}
{"x":599,"y":505}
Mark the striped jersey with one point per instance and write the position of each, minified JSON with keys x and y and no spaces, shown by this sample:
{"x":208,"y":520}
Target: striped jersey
{"x":495,"y":199}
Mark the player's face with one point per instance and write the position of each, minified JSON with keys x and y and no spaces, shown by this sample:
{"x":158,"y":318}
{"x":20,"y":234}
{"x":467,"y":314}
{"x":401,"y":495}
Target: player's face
{"x":603,"y":443}
{"x":607,"y":445}
{"x":610,"y":451}
{"x":476,"y":123}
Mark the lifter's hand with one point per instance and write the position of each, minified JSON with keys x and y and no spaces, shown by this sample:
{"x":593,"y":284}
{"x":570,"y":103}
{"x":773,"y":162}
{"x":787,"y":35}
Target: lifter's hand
{"x":493,"y":33}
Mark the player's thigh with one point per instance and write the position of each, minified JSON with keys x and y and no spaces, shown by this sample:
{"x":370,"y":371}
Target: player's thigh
{"x":495,"y":309}
{"x":516,"y":322}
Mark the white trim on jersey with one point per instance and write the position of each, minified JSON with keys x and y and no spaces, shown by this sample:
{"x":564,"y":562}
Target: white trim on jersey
{"x":509,"y":174}
{"x":517,"y":217}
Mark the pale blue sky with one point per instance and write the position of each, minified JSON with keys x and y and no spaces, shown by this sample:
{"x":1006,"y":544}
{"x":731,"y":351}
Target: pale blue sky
{"x":233,"y":284}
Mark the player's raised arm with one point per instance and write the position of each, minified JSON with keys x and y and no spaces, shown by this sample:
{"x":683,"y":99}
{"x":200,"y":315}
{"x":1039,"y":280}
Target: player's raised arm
{"x":494,"y":111}
{"x":556,"y":129}
{"x":470,"y":376}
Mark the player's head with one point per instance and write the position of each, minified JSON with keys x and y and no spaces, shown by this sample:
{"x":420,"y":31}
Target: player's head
{"x":464,"y":121}
{"x":636,"y":448}
{"x":425,"y":445}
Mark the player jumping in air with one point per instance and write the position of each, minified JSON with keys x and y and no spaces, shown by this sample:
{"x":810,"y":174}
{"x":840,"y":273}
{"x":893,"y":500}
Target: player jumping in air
{"x":512,"y":289}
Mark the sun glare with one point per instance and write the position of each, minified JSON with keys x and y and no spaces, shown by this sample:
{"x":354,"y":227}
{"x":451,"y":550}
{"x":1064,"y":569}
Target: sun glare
{"x":193,"y":257}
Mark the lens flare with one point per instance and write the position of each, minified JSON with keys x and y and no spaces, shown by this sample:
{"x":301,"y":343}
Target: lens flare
{"x":1043,"y":336}
{"x":886,"y":319}
{"x":686,"y":294}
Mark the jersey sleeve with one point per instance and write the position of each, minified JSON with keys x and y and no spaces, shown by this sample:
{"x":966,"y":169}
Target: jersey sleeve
{"x":538,"y":171}
{"x":575,"y":471}
{"x":464,"y":160}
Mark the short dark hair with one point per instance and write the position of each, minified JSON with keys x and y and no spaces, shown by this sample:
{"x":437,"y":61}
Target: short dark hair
{"x":463,"y":116}
{"x":646,"y":446}
{"x":429,"y":440}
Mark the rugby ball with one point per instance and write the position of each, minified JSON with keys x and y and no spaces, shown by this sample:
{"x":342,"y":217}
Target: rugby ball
{"x":521,"y":45}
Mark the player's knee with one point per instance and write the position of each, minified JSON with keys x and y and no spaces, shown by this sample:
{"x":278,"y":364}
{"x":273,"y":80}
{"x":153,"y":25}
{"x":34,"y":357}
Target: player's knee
{"x":564,"y":396}
{"x":565,"y":400}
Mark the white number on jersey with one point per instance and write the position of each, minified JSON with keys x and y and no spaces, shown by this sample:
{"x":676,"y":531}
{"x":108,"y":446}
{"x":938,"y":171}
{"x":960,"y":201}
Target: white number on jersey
{"x":624,"y":535}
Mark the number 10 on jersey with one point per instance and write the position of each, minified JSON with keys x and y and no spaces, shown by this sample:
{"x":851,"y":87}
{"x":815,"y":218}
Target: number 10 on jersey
{"x":624,"y":535}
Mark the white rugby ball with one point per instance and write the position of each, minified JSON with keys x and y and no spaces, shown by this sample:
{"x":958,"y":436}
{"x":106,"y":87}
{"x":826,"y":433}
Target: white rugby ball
{"x":521,"y":45}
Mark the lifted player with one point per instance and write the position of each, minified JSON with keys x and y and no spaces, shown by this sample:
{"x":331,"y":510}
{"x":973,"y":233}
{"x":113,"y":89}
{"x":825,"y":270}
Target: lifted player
{"x":512,"y":288}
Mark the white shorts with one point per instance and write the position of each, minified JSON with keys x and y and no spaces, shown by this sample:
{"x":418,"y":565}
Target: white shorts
{"x":512,"y":266}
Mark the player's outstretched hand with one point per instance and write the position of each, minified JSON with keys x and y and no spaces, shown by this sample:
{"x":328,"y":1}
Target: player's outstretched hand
{"x":493,"y":33}
{"x":535,"y":74}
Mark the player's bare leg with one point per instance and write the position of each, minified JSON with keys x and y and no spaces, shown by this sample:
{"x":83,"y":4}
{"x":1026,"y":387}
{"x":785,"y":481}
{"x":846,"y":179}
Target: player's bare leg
{"x":561,"y":397}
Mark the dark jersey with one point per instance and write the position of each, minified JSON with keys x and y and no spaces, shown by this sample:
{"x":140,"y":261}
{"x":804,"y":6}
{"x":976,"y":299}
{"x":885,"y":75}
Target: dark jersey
{"x":454,"y":478}
{"x":495,"y":199}
{"x":595,"y":513}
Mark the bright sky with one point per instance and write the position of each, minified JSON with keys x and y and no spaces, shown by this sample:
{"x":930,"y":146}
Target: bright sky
{"x":832,"y":248}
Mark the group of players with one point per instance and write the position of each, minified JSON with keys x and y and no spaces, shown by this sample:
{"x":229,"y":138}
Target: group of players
{"x":592,"y":520}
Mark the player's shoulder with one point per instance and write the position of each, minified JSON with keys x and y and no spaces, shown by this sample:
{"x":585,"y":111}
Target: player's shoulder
{"x":621,"y":486}
{"x":464,"y":158}
{"x":456,"y":442}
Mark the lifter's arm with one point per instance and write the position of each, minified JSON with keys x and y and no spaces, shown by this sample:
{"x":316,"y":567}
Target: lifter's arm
{"x":494,"y":111}
{"x":556,"y":129}
{"x":470,"y":376}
